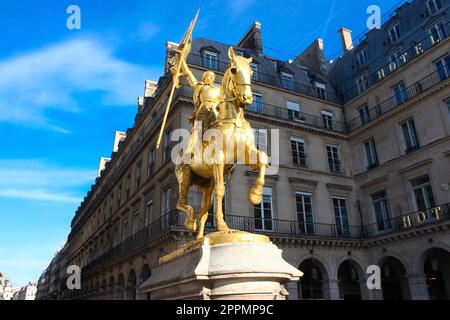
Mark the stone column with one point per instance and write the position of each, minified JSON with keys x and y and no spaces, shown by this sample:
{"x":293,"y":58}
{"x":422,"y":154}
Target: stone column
{"x":331,"y":289}
{"x":292,"y":288}
{"x":417,"y":286}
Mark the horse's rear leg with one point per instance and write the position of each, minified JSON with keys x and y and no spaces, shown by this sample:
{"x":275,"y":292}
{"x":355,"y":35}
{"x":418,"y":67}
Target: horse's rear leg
{"x":184,"y":177}
{"x":206,"y":192}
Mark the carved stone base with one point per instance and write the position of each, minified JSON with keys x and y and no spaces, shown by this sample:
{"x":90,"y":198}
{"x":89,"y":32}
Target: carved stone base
{"x":223,"y":265}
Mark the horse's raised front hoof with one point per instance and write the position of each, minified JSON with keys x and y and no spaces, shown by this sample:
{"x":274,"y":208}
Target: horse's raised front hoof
{"x":255,"y":195}
{"x":191,"y":224}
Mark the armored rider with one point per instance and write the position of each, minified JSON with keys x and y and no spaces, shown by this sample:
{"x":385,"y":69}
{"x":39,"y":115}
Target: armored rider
{"x":206,"y":99}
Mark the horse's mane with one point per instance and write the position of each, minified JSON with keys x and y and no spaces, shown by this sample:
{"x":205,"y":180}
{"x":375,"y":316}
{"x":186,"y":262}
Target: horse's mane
{"x":226,"y":83}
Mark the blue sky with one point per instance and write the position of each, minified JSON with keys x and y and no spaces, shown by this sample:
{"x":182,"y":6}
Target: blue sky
{"x":64,"y":92}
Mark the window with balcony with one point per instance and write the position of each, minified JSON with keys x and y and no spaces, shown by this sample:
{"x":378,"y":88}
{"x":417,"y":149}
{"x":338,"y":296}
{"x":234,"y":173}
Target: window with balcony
{"x":210,"y":60}
{"x":257,"y":104}
{"x":293,"y":111}
{"x":148,"y":213}
{"x":119,"y":196}
{"x":287,"y":81}
{"x":167,"y":145}
{"x":254,"y":67}
{"x":364,"y":114}
{"x":394,"y":33}
{"x":341,"y":216}
{"x":261,"y":139}
{"x":125,"y":230}
{"x":423,"y":194}
{"x":304,"y":212}
{"x":138,"y":174}
{"x":409,"y":135}
{"x":381,"y":209}
{"x":437,"y":32}
{"x":448,"y":106}
{"x":127,"y":187}
{"x":443,"y":68}
{"x":327,"y":120}
{"x":166,"y":204}
{"x":151,"y":161}
{"x":361,"y":57}
{"x":334,"y":164}
{"x":263,"y":212}
{"x":361,"y":84}
{"x":400,"y":93}
{"x":298,"y":151}
{"x":433,"y":6}
{"x":136,"y":222}
{"x":320,"y":90}
{"x":394,"y":59}
{"x":371,"y":154}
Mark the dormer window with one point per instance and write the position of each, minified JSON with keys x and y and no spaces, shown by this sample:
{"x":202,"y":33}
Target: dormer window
{"x":287,"y":81}
{"x":254,"y":68}
{"x":433,"y":6}
{"x":361,"y":84}
{"x":394,"y":33}
{"x":361,"y":58}
{"x":210,"y":59}
{"x":320,"y":90}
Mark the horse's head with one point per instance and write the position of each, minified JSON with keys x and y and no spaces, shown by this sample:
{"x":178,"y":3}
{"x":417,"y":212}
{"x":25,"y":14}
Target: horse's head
{"x":241,"y":76}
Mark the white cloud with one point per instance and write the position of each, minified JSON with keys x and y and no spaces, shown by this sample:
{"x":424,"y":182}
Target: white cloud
{"x":49,"y":78}
{"x":37,"y":181}
{"x":147,"y":31}
{"x":238,"y":7}
{"x":39,"y":195}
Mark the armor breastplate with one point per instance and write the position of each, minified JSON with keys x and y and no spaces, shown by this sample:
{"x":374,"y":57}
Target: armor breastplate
{"x":209,"y":95}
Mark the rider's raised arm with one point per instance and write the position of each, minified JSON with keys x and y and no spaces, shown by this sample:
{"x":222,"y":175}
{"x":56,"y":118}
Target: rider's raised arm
{"x":189,"y":75}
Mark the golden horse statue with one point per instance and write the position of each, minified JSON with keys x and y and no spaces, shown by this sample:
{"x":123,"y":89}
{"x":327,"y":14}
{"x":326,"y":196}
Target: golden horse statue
{"x":236,"y":143}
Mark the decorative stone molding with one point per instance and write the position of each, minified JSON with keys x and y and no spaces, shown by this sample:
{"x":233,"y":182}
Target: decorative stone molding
{"x":415,"y":165}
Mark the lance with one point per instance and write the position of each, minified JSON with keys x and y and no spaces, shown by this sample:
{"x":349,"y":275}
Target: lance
{"x":183,"y":51}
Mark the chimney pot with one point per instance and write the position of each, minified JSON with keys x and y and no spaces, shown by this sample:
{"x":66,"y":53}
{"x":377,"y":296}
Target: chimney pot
{"x":346,"y":39}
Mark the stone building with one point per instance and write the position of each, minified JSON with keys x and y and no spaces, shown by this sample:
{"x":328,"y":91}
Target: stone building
{"x":7,"y":291}
{"x":27,"y":292}
{"x":363,"y":175}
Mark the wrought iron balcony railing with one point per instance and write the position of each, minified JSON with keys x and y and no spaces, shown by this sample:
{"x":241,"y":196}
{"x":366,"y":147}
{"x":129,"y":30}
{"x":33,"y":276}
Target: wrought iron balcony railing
{"x":400,"y":98}
{"x":268,"y":79}
{"x":282,"y":113}
{"x":408,"y":221}
{"x":403,"y":58}
{"x":174,"y":221}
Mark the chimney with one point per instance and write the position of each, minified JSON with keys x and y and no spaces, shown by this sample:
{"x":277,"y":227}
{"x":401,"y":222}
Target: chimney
{"x":171,"y":49}
{"x":118,"y":137}
{"x":252,"y":38}
{"x":150,"y":88}
{"x":140,"y":105}
{"x":102,"y":165}
{"x":313,"y":58}
{"x":346,"y":39}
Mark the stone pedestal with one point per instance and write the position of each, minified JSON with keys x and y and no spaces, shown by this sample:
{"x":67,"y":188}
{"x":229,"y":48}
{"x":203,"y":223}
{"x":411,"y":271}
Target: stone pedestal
{"x":223,"y":265}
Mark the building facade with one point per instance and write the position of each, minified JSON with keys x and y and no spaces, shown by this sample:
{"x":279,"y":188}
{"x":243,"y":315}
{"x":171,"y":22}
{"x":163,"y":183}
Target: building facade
{"x":363,"y":146}
{"x":27,"y":292}
{"x":7,"y":291}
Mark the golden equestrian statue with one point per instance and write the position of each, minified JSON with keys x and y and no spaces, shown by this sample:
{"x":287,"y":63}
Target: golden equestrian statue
{"x":219,"y":109}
